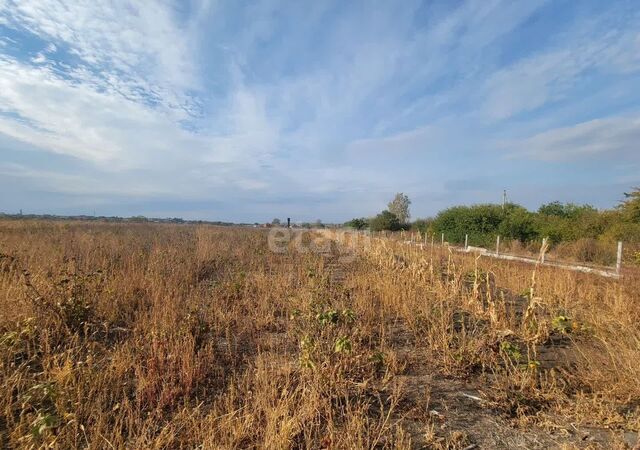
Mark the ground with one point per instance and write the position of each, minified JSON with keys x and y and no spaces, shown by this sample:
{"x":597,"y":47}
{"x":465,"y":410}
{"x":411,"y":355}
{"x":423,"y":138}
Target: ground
{"x":178,"y":336}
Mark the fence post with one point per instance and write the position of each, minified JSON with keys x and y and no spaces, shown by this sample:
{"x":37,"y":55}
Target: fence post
{"x":619,"y":258}
{"x":544,"y":253}
{"x":466,"y":241}
{"x":442,"y":243}
{"x":497,"y":245}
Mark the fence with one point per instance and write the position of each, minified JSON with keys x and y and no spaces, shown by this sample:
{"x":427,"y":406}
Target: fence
{"x":411,"y":238}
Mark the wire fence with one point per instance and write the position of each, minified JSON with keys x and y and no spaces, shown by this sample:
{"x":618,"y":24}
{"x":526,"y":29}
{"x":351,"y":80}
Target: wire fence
{"x":532,"y":253}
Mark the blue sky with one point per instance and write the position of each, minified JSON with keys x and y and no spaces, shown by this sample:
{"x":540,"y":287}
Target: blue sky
{"x":251,"y":110}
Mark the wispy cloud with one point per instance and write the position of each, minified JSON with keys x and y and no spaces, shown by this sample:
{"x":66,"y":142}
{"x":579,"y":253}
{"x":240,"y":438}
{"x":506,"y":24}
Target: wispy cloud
{"x":612,"y":138}
{"x":339,"y":103}
{"x":551,"y":75}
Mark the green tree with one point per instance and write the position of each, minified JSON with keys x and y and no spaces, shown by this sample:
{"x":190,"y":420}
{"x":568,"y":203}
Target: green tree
{"x":518,"y":224}
{"x":480,"y":222}
{"x":423,"y":225}
{"x":631,"y":206}
{"x":399,"y":206}
{"x":552,"y":209}
{"x":386,"y":220}
{"x":565,"y":210}
{"x":357,"y":223}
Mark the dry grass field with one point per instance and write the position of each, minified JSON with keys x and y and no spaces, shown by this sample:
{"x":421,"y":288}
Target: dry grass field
{"x":176,"y":336}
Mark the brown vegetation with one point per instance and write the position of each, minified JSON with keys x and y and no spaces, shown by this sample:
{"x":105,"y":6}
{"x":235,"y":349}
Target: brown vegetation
{"x":170,"y":336}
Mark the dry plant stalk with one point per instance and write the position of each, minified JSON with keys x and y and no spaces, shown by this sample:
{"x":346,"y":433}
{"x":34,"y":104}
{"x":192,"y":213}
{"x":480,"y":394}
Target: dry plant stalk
{"x":176,"y":336}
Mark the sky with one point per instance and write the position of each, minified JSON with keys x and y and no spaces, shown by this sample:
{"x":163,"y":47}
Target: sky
{"x":249,"y":110}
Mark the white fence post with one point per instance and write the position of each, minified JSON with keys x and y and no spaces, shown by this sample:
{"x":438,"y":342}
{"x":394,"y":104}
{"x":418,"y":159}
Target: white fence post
{"x":619,"y":258}
{"x":466,"y":241}
{"x":544,"y":253}
{"x":498,"y":245}
{"x":442,"y":240}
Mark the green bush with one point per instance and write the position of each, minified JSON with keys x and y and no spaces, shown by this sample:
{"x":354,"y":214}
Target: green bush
{"x":582,"y":225}
{"x":385,"y":221}
{"x":357,"y":223}
{"x":423,"y":226}
{"x":518,"y":224}
{"x":631,"y":206}
{"x":480,"y":222}
{"x":624,"y":231}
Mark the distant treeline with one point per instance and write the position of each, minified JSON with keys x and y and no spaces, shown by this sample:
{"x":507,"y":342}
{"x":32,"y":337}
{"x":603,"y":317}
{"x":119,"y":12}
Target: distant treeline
{"x":559,"y":222}
{"x":116,"y":219}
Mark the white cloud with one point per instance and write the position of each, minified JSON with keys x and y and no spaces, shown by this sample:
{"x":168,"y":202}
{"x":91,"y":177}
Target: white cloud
{"x":137,"y":42}
{"x":76,"y":120}
{"x":121,"y":34}
{"x":77,"y":184}
{"x":549,"y":75}
{"x":230,"y":100}
{"x":120,"y":108}
{"x":39,"y":59}
{"x":616,"y":137}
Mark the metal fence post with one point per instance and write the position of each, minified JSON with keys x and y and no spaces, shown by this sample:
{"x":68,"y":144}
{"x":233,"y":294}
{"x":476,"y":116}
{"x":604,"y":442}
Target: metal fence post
{"x":442,"y":240}
{"x":498,"y":245}
{"x":544,"y":253}
{"x":619,"y":258}
{"x":466,"y":241}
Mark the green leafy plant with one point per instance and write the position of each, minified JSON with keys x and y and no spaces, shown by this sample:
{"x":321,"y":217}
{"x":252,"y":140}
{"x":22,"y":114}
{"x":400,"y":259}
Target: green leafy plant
{"x":42,"y":423}
{"x":26,"y":330}
{"x":329,"y":317}
{"x":343,"y":345}
{"x":511,"y":350}
{"x":307,"y":346}
{"x":41,"y":399}
{"x":377,"y":358}
{"x":562,"y":324}
{"x":348,"y":315}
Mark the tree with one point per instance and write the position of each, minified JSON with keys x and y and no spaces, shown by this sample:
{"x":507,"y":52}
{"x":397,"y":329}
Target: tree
{"x":480,"y":222}
{"x":399,"y":207}
{"x":384,"y":221}
{"x":553,"y":209}
{"x":631,"y":206}
{"x":566,"y":210}
{"x":275,"y":221}
{"x":519,"y":224}
{"x":357,"y":223}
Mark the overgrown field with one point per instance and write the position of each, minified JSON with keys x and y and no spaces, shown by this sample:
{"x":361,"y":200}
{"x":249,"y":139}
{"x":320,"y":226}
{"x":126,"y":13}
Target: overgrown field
{"x":176,"y":336}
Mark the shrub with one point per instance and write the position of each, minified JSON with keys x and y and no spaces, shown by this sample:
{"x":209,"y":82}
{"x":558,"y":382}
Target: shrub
{"x":357,"y":223}
{"x":385,"y":221}
{"x":480,"y":222}
{"x":520,"y":225}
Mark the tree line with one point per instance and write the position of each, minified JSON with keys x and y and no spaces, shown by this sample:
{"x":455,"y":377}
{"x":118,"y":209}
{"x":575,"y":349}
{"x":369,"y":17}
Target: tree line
{"x":557,"y":221}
